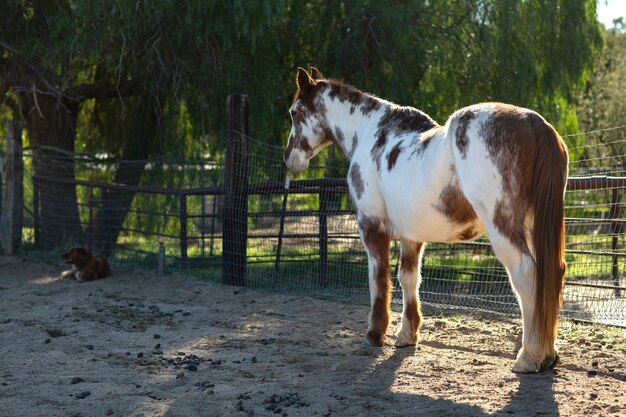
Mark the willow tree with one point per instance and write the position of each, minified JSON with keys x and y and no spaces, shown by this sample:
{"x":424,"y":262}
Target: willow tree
{"x":134,"y":79}
{"x":127,"y":71}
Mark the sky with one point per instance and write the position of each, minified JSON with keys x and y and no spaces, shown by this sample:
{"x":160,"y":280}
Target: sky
{"x":609,"y":10}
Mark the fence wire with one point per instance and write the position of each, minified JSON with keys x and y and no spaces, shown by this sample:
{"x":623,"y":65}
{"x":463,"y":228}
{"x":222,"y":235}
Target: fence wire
{"x":299,"y":231}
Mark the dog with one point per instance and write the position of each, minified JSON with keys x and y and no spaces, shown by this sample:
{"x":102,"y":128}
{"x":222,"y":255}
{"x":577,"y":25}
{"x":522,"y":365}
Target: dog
{"x":85,"y":265}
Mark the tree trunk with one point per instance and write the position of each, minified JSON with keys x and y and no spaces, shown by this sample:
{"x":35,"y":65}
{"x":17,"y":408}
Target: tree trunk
{"x":116,"y":203}
{"x":51,"y":123}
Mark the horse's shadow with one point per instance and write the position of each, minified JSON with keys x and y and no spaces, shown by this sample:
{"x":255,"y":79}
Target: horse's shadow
{"x":534,"y":394}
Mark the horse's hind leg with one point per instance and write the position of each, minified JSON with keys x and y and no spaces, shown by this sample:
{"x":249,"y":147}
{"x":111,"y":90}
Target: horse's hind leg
{"x":409,"y":277}
{"x":535,"y":355}
{"x":376,"y":242}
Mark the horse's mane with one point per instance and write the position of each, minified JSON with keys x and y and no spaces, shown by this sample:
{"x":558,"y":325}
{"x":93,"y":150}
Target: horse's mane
{"x":419,"y":120}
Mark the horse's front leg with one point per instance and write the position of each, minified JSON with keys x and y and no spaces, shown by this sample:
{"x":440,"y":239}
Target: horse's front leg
{"x":410,"y":277}
{"x":376,"y":241}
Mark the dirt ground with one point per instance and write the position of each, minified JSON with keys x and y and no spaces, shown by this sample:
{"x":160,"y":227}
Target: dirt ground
{"x":138,"y":344}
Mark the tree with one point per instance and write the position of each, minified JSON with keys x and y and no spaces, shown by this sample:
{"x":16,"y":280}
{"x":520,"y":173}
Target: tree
{"x":135,"y":67}
{"x":135,"y":79}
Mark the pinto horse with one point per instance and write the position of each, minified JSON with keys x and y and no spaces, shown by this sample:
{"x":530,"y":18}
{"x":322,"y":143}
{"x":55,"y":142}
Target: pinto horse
{"x":492,"y":168}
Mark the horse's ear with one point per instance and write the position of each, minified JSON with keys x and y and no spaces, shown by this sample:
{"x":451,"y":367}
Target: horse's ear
{"x":316,"y":74}
{"x":303,"y":80}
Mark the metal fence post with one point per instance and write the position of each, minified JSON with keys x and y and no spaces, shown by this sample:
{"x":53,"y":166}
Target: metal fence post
{"x":281,"y":229}
{"x":323,"y":230}
{"x":161,"y":260}
{"x":615,"y":230}
{"x":236,"y":173}
{"x":183,"y":227}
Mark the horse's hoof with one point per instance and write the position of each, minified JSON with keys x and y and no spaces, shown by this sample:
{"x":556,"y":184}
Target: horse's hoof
{"x":525,"y":365}
{"x":366,"y":343}
{"x":403,"y":344}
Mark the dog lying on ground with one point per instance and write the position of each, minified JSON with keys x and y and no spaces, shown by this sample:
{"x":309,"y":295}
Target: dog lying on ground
{"x":85,"y":265}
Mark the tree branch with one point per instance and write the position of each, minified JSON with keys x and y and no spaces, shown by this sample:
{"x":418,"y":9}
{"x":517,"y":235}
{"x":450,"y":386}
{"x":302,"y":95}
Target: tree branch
{"x":87,"y":91}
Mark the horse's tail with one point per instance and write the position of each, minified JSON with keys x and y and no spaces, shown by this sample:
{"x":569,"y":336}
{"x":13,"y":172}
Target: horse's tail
{"x":548,"y":239}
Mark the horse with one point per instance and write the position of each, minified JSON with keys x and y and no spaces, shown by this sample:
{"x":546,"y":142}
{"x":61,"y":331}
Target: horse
{"x":491,"y":168}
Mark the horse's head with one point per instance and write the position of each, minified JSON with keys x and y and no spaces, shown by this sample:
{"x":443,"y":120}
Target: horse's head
{"x":309,"y":130}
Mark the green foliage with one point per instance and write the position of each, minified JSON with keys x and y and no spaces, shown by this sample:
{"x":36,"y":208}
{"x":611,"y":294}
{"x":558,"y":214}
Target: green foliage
{"x":182,"y":59}
{"x":190,"y":55}
{"x":603,"y":105}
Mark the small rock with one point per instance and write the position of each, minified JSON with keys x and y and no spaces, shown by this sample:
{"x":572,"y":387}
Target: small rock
{"x":594,"y":364}
{"x":83,"y":394}
{"x":157,"y":346}
{"x":592,"y":373}
{"x":191,"y":367}
{"x":46,"y":341}
{"x":89,"y":347}
{"x":186,"y":313}
{"x":76,"y":380}
{"x":140,"y":355}
{"x":180,"y":375}
{"x":157,"y":336}
{"x":109,"y":412}
{"x":593,"y":396}
{"x":253,"y":360}
{"x":210,"y":392}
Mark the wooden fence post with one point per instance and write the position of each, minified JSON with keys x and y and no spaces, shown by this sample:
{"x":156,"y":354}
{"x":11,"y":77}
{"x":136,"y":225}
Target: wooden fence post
{"x":12,"y":217}
{"x":1,"y":182}
{"x":236,"y":172}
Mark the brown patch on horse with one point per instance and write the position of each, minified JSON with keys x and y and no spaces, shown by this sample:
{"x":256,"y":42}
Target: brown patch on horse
{"x":454,"y":205}
{"x":357,"y":180}
{"x":462,"y":142}
{"x":511,"y":144}
{"x":409,"y":261}
{"x":396,"y":121}
{"x":409,"y":256}
{"x":392,"y":156}
{"x":358,"y":99}
{"x":422,"y":141}
{"x":413,"y":313}
{"x":377,"y":242}
{"x":355,"y":142}
{"x":339,"y":138}
{"x":377,"y":149}
{"x":468,"y":233}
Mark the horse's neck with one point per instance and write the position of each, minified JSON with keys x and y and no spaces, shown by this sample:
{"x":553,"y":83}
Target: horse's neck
{"x":354,"y":124}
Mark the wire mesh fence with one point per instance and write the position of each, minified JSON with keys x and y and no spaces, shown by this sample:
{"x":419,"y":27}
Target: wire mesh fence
{"x":237,"y":217}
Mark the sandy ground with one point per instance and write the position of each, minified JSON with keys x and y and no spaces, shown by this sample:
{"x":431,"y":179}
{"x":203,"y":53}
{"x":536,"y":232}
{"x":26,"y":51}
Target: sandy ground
{"x":137,"y":344}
